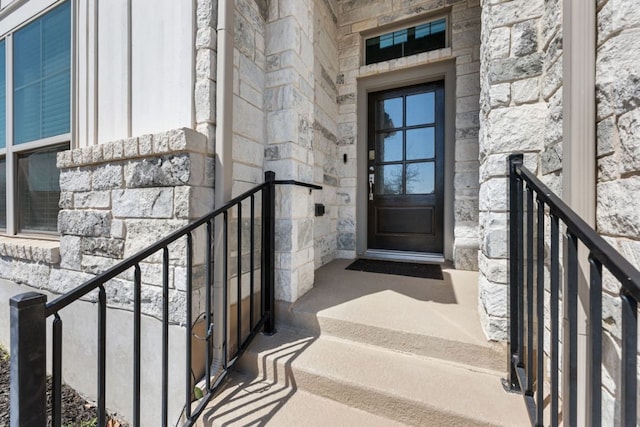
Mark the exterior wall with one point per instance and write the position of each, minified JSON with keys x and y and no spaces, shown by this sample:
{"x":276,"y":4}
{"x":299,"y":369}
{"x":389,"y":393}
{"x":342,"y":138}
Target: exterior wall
{"x":289,"y":103}
{"x":326,"y":153}
{"x":137,"y":80}
{"x":356,"y":21}
{"x":521,"y":106}
{"x":618,"y":137}
{"x":249,"y":66}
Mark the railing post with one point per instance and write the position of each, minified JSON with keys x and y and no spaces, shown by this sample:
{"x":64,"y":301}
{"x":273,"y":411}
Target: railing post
{"x":515,"y":219}
{"x":28,"y":360}
{"x":268,"y":250}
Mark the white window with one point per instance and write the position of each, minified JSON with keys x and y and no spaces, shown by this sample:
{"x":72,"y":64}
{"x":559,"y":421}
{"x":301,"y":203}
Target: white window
{"x":35,"y":113}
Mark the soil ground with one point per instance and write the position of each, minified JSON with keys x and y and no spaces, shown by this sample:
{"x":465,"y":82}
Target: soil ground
{"x":76,"y":410}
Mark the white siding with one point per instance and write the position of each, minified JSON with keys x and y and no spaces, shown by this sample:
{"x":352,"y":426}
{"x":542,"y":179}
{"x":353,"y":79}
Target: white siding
{"x":113,"y":71}
{"x":162,"y":85}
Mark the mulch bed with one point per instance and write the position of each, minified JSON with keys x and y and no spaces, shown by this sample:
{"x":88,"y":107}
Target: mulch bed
{"x":76,"y":410}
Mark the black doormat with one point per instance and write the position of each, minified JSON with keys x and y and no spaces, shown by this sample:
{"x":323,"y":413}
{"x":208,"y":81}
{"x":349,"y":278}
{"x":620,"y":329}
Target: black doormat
{"x":425,"y":271}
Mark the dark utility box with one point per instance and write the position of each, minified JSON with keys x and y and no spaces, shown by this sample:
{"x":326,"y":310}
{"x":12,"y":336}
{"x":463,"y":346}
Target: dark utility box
{"x":319,"y":209}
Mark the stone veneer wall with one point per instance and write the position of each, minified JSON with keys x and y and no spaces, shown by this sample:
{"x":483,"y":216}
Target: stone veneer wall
{"x":204,"y":94}
{"x":618,"y":181}
{"x":521,"y":111}
{"x":325,"y":128}
{"x":249,"y":65}
{"x":290,"y":104}
{"x":354,"y":18}
{"x":118,"y":198}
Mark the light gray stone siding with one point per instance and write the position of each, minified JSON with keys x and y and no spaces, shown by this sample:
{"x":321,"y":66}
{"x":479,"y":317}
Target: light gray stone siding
{"x":521,"y":111}
{"x":618,"y":154}
{"x":120,"y":197}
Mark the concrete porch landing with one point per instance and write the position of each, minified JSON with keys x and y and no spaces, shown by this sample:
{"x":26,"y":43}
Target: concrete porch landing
{"x":435,"y":318}
{"x":373,"y":349}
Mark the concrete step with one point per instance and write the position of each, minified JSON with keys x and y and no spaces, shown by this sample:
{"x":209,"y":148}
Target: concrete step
{"x":405,"y":388}
{"x":432,"y":318}
{"x":248,"y":400}
{"x":485,"y":355}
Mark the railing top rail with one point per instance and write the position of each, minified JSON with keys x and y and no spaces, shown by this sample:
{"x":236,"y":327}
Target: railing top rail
{"x":599,"y":248}
{"x":298,"y":183}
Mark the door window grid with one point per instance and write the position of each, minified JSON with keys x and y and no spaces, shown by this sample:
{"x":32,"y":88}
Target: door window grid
{"x":29,"y":178}
{"x":406,"y":166}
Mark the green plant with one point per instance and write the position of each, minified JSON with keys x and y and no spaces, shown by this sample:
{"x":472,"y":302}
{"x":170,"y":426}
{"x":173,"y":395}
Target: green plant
{"x":87,"y":423}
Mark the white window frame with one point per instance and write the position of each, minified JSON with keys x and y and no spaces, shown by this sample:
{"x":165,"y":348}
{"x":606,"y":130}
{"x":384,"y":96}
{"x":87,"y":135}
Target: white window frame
{"x":11,"y":152}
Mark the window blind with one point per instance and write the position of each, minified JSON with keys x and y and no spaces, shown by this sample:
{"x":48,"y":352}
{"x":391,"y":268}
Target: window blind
{"x":42,"y":76}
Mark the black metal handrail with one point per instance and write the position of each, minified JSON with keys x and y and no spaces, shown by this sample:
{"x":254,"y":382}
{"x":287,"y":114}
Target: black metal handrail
{"x":528,"y":322}
{"x":30,"y":310}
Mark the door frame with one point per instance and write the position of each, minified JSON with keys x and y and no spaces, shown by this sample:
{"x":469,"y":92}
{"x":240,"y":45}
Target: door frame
{"x":444,"y":70}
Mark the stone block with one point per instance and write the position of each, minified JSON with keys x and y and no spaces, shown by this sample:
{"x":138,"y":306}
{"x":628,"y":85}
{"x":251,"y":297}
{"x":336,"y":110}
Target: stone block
{"x":551,"y":159}
{"x":206,"y":38}
{"x":346,"y":241}
{"x":168,"y":170}
{"x":466,"y":210}
{"x":107,"y":176}
{"x":629,"y":138}
{"x":96,"y":264}
{"x":507,"y":13}
{"x":92,"y":199}
{"x":552,"y":80}
{"x":75,"y":180}
{"x":205,"y":99}
{"x":145,"y":145}
{"x":465,"y":258}
{"x":284,"y":34}
{"x":526,"y":91}
{"x":616,"y":16}
{"x":494,"y":243}
{"x":84,"y":223}
{"x":118,"y":229}
{"x":518,"y":128}
{"x":614,"y":214}
{"x":500,"y":95}
{"x":524,"y":40}
{"x":64,"y":159}
{"x":467,"y":85}
{"x":608,"y":168}
{"x":70,"y":252}
{"x":607,"y":136}
{"x":66,"y":200}
{"x":101,"y":246}
{"x":144,"y":232}
{"x":494,"y":298}
{"x":143,"y":203}
{"x":96,"y":154}
{"x":61,"y":281}
{"x":493,"y":270}
{"x":509,"y":69}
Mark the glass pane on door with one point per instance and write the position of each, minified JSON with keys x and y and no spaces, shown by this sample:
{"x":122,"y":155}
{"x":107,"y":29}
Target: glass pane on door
{"x":420,"y":178}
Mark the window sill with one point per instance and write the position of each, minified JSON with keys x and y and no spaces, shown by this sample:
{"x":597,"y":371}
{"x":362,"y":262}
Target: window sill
{"x":405,"y":62}
{"x":42,"y":251}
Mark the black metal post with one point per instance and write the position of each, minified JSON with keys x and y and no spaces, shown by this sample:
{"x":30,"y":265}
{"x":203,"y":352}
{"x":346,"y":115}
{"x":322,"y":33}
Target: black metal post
{"x":629,"y":361}
{"x":28,"y":360}
{"x":268,"y":250}
{"x":515,"y":216}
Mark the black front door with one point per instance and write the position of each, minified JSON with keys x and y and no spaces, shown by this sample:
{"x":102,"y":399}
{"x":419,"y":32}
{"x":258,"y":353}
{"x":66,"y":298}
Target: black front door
{"x":406,"y":169}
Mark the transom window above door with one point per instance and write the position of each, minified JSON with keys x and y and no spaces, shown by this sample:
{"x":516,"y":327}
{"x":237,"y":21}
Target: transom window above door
{"x":407,"y":41}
